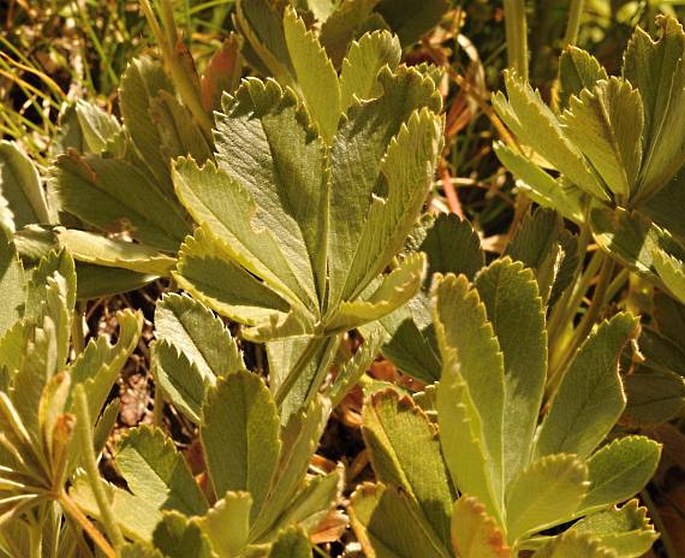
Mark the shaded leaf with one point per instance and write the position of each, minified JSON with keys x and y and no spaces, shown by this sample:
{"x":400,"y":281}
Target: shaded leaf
{"x":578,"y":70}
{"x":409,"y":21}
{"x":178,"y":537}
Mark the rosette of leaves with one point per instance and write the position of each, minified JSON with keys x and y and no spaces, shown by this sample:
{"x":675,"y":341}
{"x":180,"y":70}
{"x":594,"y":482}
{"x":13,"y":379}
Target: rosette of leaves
{"x":521,"y":465}
{"x":617,"y":146}
{"x":51,"y":404}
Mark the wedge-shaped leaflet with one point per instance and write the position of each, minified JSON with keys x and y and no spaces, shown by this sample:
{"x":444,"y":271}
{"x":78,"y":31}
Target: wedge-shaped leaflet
{"x":514,"y":309}
{"x":114,"y":194}
{"x":625,"y":530}
{"x":542,"y":243}
{"x":619,"y":470}
{"x":471,"y":391}
{"x":410,"y":21}
{"x":475,"y":534}
{"x":540,"y":186}
{"x":109,"y":252}
{"x":11,"y":283}
{"x":657,"y":69}
{"x":240,"y":436}
{"x":142,"y":81}
{"x":157,"y":473}
{"x":291,"y":543}
{"x":537,"y":126}
{"x":590,"y":398}
{"x":388,"y":523}
{"x":20,"y":187}
{"x":379,"y":183}
{"x":639,"y":244}
{"x":545,"y":494}
{"x":405,"y":453}
{"x":606,"y":123}
{"x":365,"y":58}
{"x":578,"y":70}
{"x":315,"y":74}
{"x":199,"y":334}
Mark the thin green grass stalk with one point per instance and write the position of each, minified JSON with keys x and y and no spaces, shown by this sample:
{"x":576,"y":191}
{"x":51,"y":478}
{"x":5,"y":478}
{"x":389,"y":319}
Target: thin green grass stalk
{"x":89,"y":461}
{"x":516,"y":29}
{"x":97,"y":45}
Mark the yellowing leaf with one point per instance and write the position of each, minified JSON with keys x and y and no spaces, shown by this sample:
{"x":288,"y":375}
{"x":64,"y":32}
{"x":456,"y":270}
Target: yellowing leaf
{"x":474,"y":533}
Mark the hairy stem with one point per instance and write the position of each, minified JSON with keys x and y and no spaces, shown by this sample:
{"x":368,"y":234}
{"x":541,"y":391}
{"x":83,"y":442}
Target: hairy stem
{"x":517,"y":36}
{"x":74,"y":512}
{"x":84,"y":433}
{"x":573,"y":25}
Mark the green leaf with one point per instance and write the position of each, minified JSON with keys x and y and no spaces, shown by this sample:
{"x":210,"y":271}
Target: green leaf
{"x":657,"y":69}
{"x":180,"y":134}
{"x":20,"y":186}
{"x":626,"y":530}
{"x":98,"y":128}
{"x":545,"y":494}
{"x":573,"y":545}
{"x":578,"y":70}
{"x":178,"y":537}
{"x":357,"y":155}
{"x":410,"y":21}
{"x":227,"y":524}
{"x":475,"y":534}
{"x":206,"y":270}
{"x":364,"y":59}
{"x":654,"y":397}
{"x":157,"y":473}
{"x":539,"y":185}
{"x":299,"y":440}
{"x":542,"y":243}
{"x":200,"y":335}
{"x":228,"y":210}
{"x":179,"y":379}
{"x":671,"y":271}
{"x":346,"y":23}
{"x":537,"y":126}
{"x":388,"y":524}
{"x":619,"y":470}
{"x":96,"y":281}
{"x":240,"y":436}
{"x":11,"y":284}
{"x":316,"y":76}
{"x":590,"y":398}
{"x":112,"y":252}
{"x":666,"y":207}
{"x":292,"y":543}
{"x":471,"y":391}
{"x":514,"y":309}
{"x":405,"y":177}
{"x":113,"y":194}
{"x":264,"y":143}
{"x":452,"y":246}
{"x":405,"y":453}
{"x":261,"y":23}
{"x":395,"y":289}
{"x":140,"y":550}
{"x":142,"y":81}
{"x":137,"y":517}
{"x":606,"y":124}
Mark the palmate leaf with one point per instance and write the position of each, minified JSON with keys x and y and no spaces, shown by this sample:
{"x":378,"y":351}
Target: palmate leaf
{"x":606,"y":124}
{"x":289,"y":237}
{"x":657,"y":69}
{"x":537,"y":126}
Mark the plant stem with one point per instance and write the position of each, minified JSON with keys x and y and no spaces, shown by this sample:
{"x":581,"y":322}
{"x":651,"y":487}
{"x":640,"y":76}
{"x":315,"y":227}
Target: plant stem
{"x":573,"y":25}
{"x":74,"y":512}
{"x":314,"y":345}
{"x":517,"y":36}
{"x":89,"y":461}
